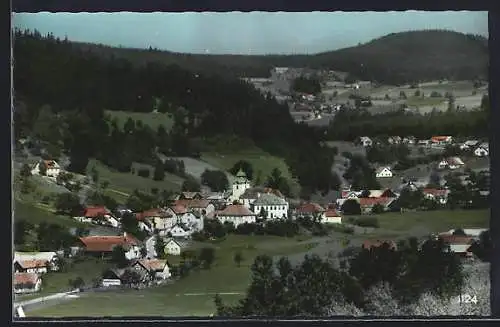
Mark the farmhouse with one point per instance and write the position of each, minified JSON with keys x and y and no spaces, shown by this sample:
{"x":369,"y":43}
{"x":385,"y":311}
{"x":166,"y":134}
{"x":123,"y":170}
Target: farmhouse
{"x":451,"y":163}
{"x":458,"y":244}
{"x":98,"y":215}
{"x":190,"y":196}
{"x":159,"y":219}
{"x":50,"y":257}
{"x":103,"y":245}
{"x":365,"y":141}
{"x":467,"y":145}
{"x":155,"y":269}
{"x":482,"y":151}
{"x":26,"y":283}
{"x":312,"y":210}
{"x":237,"y":214}
{"x":441,"y":140}
{"x":180,"y":231}
{"x":48,"y":168}
{"x":331,"y":216}
{"x":367,"y":204}
{"x":439,"y":195}
{"x":273,"y":206}
{"x":175,"y":247}
{"x":31,"y":266}
{"x":384,"y":172}
{"x":394,"y":140}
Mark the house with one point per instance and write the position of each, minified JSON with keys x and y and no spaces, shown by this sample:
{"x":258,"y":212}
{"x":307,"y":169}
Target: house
{"x":180,"y":231}
{"x":365,"y":141}
{"x":482,"y":151}
{"x":240,"y":185}
{"x":424,"y":142}
{"x":175,"y":247}
{"x":370,"y":244}
{"x":394,"y":140}
{"x":272,"y":205}
{"x":441,"y":140}
{"x":469,"y":144}
{"x":311,"y":210}
{"x":190,"y":196}
{"x":104,"y":245}
{"x":384,"y":172}
{"x":439,"y":195}
{"x":367,"y":204}
{"x":120,"y":210}
{"x":408,"y":140}
{"x":159,"y":219}
{"x":251,"y":194}
{"x":201,"y":206}
{"x":48,"y":168}
{"x":99,"y":215}
{"x":237,"y":214}
{"x":474,"y":233}
{"x":155,"y":269}
{"x":458,"y":244}
{"x":331,"y":216}
{"x":51,"y":257}
{"x":26,"y":283}
{"x":31,"y":266}
{"x":451,"y":163}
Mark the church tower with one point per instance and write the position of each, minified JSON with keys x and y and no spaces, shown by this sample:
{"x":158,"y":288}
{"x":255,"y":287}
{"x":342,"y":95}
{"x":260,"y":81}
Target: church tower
{"x":240,"y":185}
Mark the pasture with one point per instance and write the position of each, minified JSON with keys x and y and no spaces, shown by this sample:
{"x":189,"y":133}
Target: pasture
{"x":190,"y":296}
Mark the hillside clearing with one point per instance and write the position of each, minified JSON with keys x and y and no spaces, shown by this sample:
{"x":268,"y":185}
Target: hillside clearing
{"x":153,"y":120}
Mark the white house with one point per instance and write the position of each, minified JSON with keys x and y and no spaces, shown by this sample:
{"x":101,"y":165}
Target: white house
{"x":451,"y":163}
{"x":173,"y":247}
{"x":383,"y":172}
{"x":365,"y":141}
{"x":49,"y":168}
{"x":99,"y":215}
{"x":240,"y":185}
{"x":180,"y":232}
{"x":331,"y":216}
{"x":273,"y":206}
{"x":482,"y":151}
{"x":27,"y":283}
{"x":49,"y":256}
{"x":237,"y":214}
{"x":31,"y":266}
{"x":469,"y":144}
{"x":155,"y":269}
{"x":251,"y":194}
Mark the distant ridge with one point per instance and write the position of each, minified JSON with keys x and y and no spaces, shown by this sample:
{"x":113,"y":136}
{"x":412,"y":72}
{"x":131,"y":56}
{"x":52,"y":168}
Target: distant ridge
{"x":393,"y":59}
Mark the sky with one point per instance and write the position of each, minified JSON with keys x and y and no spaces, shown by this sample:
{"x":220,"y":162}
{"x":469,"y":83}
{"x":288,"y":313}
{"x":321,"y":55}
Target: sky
{"x":245,"y":33}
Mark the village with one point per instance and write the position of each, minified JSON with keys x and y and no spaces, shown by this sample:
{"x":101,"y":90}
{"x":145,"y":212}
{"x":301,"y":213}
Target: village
{"x":170,"y":230}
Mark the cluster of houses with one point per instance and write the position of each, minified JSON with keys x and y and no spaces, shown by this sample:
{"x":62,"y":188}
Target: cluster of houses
{"x":478,"y":148}
{"x":28,"y":269}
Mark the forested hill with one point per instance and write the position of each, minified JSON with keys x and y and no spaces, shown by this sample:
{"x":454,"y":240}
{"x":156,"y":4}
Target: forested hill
{"x":392,"y":59}
{"x":51,"y":76}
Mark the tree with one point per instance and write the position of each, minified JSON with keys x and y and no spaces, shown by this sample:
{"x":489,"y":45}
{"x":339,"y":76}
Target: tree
{"x":160,"y":247}
{"x":215,"y":179}
{"x":94,"y":174}
{"x":131,"y":277}
{"x":351,"y":207}
{"x":377,"y":208}
{"x":118,"y":257}
{"x":278,"y":182}
{"x":402,"y":95}
{"x":483,"y":247}
{"x":25,"y":171}
{"x":191,"y":185}
{"x":76,"y":283}
{"x":159,"y":172}
{"x":68,"y":203}
{"x":238,"y":258}
{"x":207,"y":256}
{"x":243,"y":165}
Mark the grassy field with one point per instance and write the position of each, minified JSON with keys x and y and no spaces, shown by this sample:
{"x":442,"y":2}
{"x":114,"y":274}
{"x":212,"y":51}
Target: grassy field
{"x":427,"y":101}
{"x":261,"y":161}
{"x":153,"y":120}
{"x":126,"y":183}
{"x":37,"y":214}
{"x":191,"y":296}
{"x":435,"y":221}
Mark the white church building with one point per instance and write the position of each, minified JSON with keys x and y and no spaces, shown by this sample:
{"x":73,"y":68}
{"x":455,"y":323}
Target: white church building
{"x":240,"y":185}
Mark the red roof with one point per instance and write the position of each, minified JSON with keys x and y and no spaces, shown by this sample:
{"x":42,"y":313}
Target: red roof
{"x":107,"y":243}
{"x":93,"y":212}
{"x":368,"y":244}
{"x":456,"y":239}
{"x":235,"y":210}
{"x":179,"y":209}
{"x":366,"y":202}
{"x":25,"y":278}
{"x":27,"y":264}
{"x":434,"y":191}
{"x":439,"y":138}
{"x":331,"y":213}
{"x":156,"y":212}
{"x":193,"y":203}
{"x":310,"y":208}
